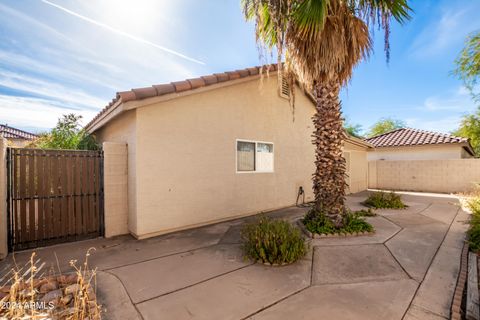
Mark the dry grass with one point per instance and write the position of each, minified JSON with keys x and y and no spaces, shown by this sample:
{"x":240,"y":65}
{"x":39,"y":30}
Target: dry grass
{"x":27,"y":293}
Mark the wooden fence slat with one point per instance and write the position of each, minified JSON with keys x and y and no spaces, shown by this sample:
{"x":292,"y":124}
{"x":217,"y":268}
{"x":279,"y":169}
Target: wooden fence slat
{"x":15,"y":203}
{"x":41,"y":181}
{"x":64,"y":196}
{"x":78,"y":199}
{"x":32,"y":225}
{"x":56,"y":200}
{"x":23,"y":193}
{"x":91,"y":192}
{"x":85,"y":207}
{"x":48,"y":192}
{"x":70,"y":197}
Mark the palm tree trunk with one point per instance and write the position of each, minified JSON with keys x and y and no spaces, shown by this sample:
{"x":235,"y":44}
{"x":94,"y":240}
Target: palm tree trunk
{"x":329,"y":182}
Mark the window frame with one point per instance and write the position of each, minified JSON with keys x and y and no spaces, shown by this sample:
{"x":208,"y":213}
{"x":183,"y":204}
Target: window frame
{"x":256,"y":142}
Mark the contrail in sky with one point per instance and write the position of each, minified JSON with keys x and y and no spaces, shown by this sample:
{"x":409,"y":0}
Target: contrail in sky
{"x":122,"y":33}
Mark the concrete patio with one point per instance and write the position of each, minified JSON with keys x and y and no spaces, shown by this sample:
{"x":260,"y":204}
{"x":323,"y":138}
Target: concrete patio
{"x":407,"y":270}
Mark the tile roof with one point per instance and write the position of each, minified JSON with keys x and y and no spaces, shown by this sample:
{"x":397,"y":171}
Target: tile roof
{"x":12,"y":133}
{"x":180,"y":86}
{"x":413,"y":137}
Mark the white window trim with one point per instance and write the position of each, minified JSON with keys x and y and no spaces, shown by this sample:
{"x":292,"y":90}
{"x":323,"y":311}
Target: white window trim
{"x":256,"y":158}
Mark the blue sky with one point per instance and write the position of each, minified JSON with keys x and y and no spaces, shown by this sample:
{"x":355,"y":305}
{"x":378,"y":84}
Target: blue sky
{"x":61,"y":56}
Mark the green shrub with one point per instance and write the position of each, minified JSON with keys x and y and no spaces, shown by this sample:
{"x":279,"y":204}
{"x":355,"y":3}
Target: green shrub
{"x":385,"y":200}
{"x":319,"y":223}
{"x":474,"y":230}
{"x":365,"y":213}
{"x":474,"y":205}
{"x":273,"y":241}
{"x":352,"y":223}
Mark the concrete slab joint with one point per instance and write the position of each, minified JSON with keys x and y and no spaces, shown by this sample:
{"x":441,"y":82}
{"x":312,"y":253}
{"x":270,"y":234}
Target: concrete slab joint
{"x":115,"y":188}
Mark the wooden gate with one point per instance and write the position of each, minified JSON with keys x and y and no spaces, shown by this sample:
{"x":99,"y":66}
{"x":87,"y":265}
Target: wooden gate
{"x":53,"y":196}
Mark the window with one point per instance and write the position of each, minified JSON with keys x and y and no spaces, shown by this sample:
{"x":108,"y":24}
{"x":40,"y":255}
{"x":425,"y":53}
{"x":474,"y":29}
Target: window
{"x":253,"y":156}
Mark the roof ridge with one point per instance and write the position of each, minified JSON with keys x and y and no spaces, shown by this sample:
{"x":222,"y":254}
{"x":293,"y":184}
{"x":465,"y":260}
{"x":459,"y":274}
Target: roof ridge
{"x":385,"y":133}
{"x":9,"y":127}
{"x":436,"y":133}
{"x":17,"y":132}
{"x":180,"y":86}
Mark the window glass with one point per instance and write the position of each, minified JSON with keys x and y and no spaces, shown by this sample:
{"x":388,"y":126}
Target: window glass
{"x":245,"y":156}
{"x":265,"y":147}
{"x":264,"y":157}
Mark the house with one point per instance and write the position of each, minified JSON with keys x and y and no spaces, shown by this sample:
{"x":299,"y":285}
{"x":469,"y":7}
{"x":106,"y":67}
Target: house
{"x":16,"y":137}
{"x":215,"y":148}
{"x":414,"y":144}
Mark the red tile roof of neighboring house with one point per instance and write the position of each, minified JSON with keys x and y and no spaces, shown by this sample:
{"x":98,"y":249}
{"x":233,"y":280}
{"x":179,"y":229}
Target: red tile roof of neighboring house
{"x":413,"y":137}
{"x":12,"y":133}
{"x":180,"y":86}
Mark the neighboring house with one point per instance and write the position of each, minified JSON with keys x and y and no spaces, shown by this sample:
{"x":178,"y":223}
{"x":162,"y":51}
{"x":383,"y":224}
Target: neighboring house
{"x":16,"y":137}
{"x":215,"y":148}
{"x":414,"y":144}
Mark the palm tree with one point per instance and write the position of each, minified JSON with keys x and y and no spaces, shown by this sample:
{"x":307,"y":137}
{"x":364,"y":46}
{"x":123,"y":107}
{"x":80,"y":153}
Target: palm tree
{"x":322,"y":41}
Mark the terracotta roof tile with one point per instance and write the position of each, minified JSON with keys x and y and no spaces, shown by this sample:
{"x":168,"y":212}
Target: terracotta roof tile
{"x":13,"y":133}
{"x":243,"y":73}
{"x":253,"y":71}
{"x":164,"y":88}
{"x":210,"y":79}
{"x":143,"y":93}
{"x":126,"y":96}
{"x":180,"y":86}
{"x":221,"y":77}
{"x":196,"y":83}
{"x":413,"y":137}
{"x":232,"y":75}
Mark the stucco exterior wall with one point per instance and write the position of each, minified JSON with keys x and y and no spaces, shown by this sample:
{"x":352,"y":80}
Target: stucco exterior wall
{"x":453,"y":175}
{"x":357,"y":167}
{"x":186,"y":149}
{"x":419,"y":153}
{"x":123,"y":130}
{"x":115,"y":188}
{"x":182,"y":156}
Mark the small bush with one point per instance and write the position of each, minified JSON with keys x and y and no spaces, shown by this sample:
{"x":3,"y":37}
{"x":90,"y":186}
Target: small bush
{"x":474,"y":230}
{"x":273,"y":241}
{"x":352,"y":222}
{"x":385,"y":200}
{"x":365,"y":213}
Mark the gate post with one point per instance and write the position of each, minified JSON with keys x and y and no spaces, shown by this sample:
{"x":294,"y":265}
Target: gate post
{"x":3,"y":199}
{"x":115,"y":186}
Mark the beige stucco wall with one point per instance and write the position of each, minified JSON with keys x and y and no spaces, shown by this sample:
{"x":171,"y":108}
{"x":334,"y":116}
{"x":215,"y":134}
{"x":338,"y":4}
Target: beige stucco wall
{"x":3,"y":200}
{"x":430,"y":152}
{"x":182,"y":156}
{"x":357,"y":167}
{"x":453,"y":175}
{"x":123,"y":129}
{"x":115,"y":188}
{"x":186,"y":151}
